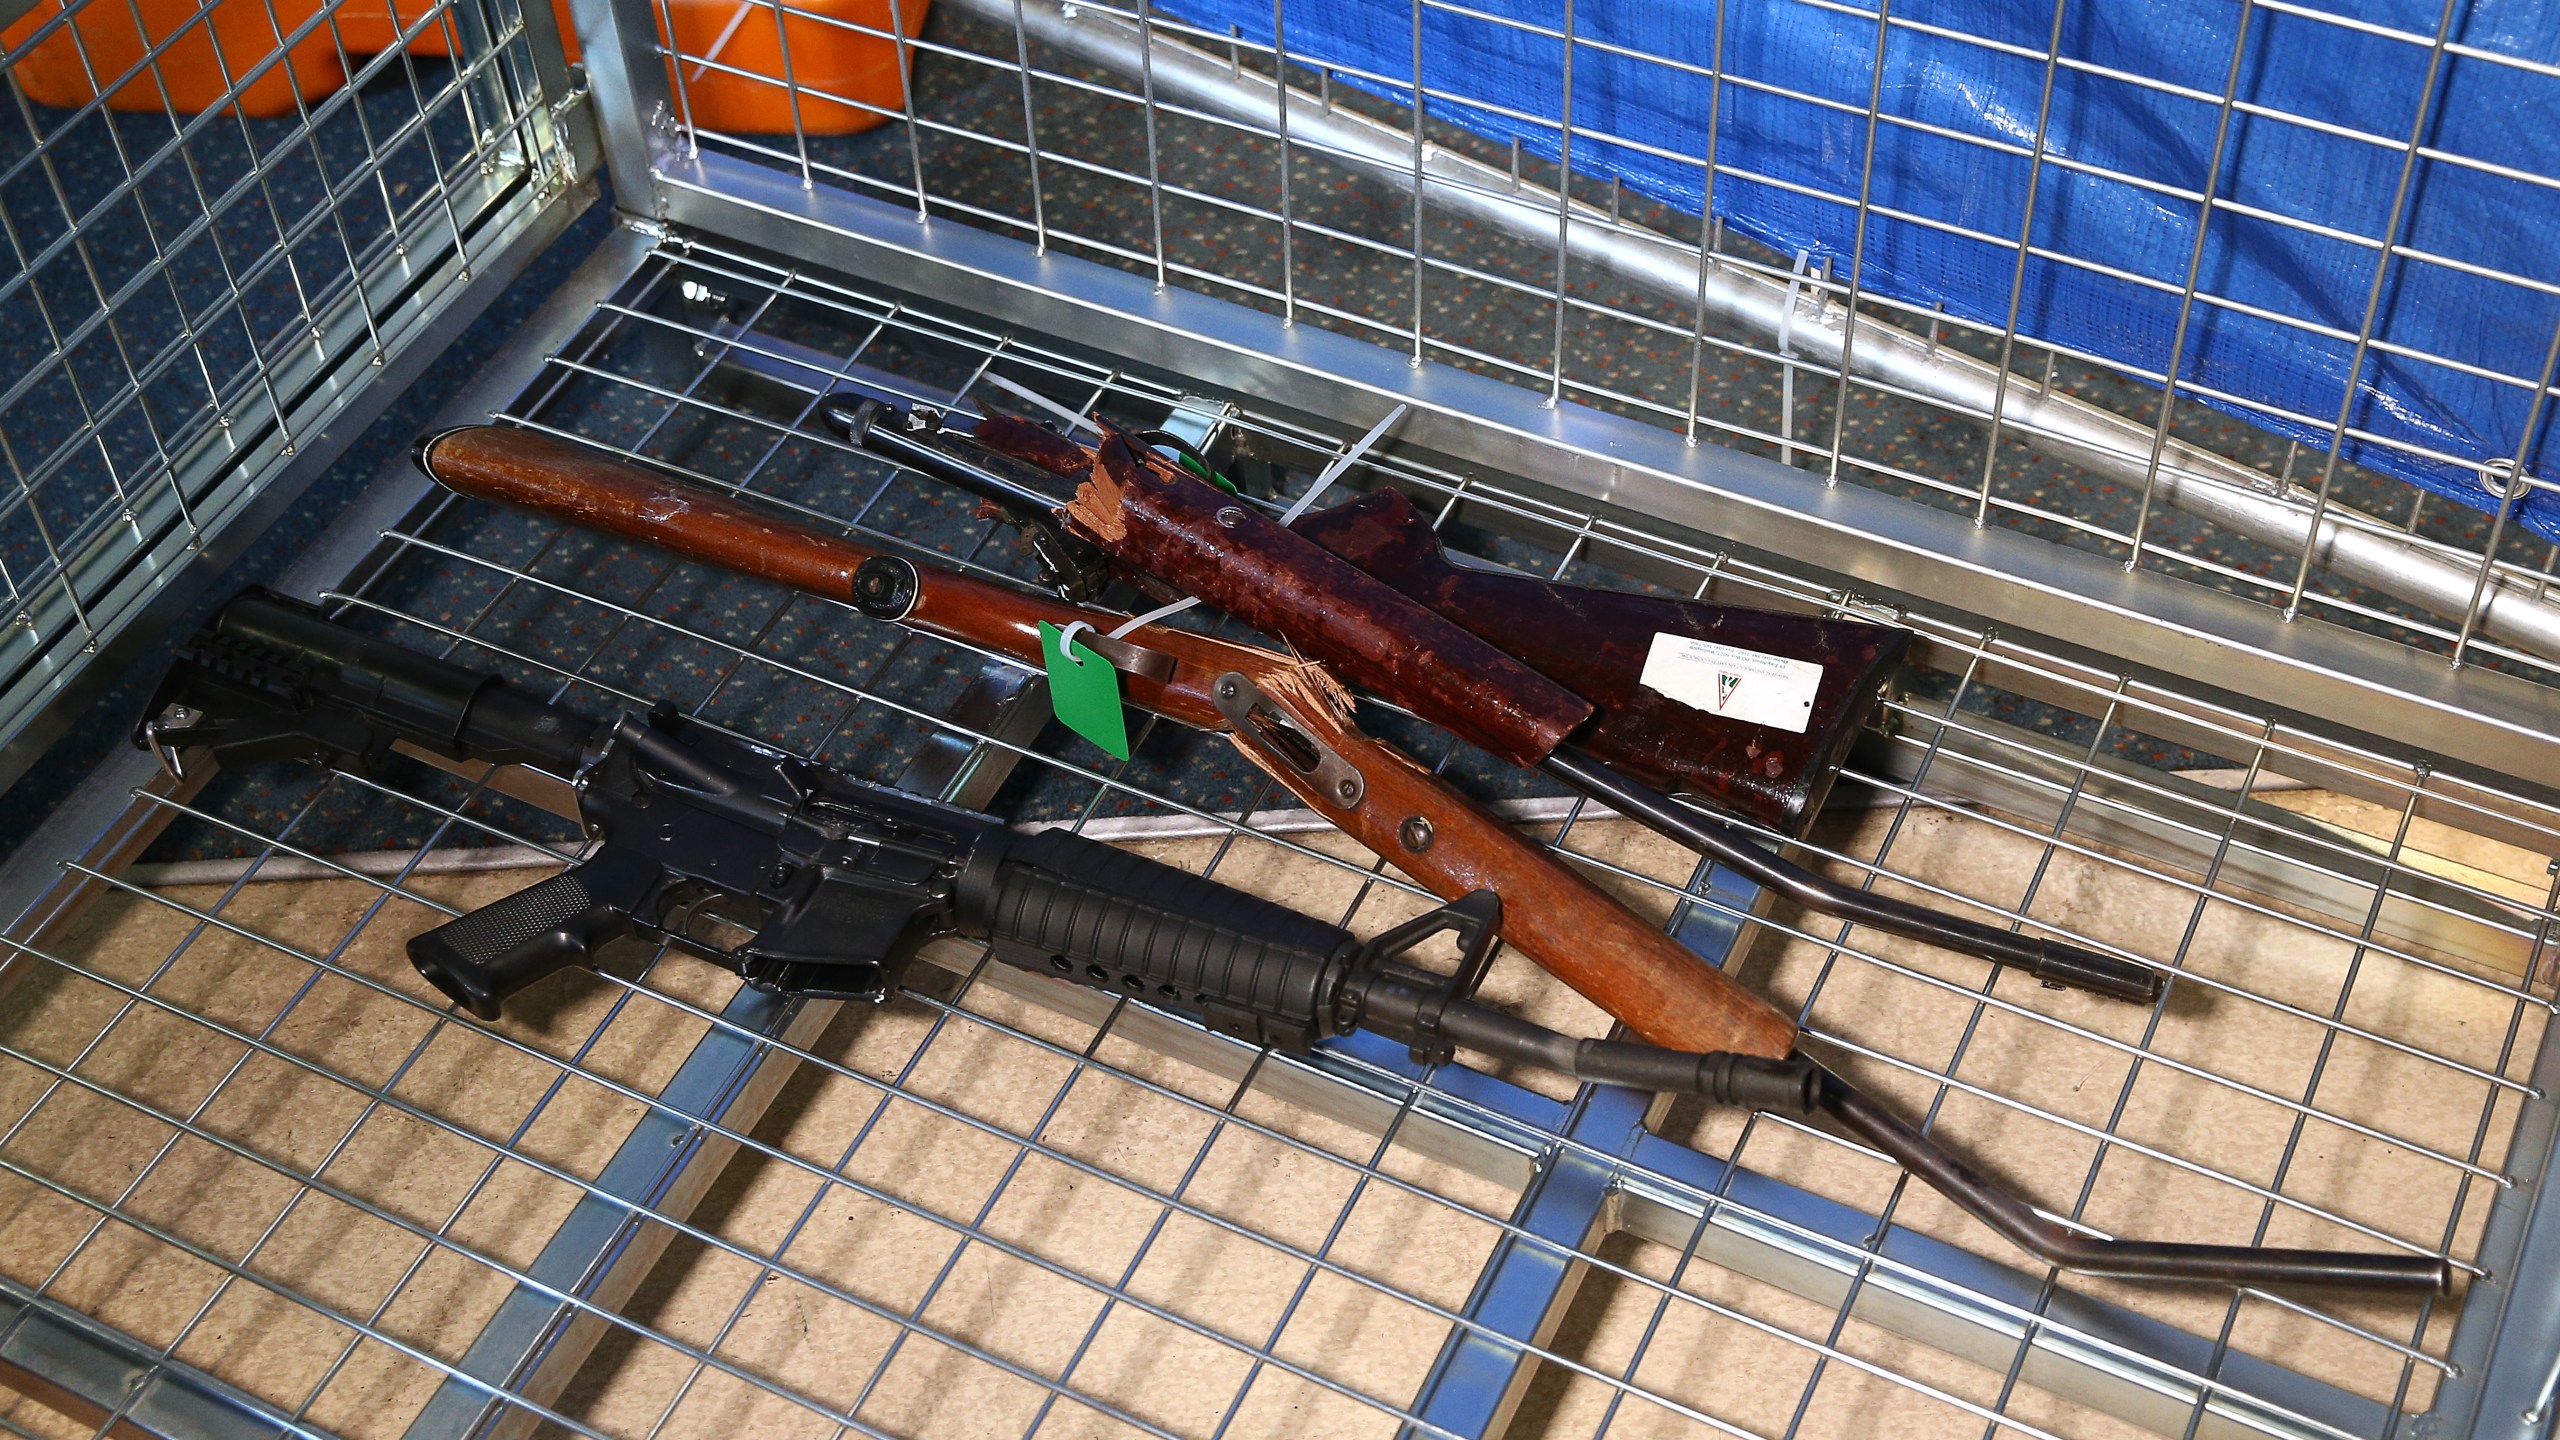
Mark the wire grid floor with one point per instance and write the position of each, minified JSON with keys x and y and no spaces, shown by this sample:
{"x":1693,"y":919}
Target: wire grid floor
{"x":1119,"y":165}
{"x":242,"y":1130}
{"x":179,"y":287}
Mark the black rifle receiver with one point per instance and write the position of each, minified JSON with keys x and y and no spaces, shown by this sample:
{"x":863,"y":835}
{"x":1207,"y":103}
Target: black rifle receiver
{"x":806,"y":880}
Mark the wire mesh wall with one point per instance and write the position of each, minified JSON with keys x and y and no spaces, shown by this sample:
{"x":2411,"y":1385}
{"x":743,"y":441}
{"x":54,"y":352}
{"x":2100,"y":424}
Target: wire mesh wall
{"x":223,"y":222}
{"x":240,"y":1129}
{"x":1268,"y":154}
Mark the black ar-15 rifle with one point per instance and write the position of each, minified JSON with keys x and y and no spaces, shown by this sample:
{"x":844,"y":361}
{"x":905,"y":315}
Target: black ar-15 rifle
{"x":806,"y":879}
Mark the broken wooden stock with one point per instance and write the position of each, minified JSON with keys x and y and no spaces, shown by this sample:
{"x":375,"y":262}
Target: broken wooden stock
{"x":1594,"y":642}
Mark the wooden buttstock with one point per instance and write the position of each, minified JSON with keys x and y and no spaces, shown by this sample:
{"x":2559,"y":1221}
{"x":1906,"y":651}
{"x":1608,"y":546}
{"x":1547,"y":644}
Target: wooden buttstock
{"x":1639,"y":975}
{"x":1594,"y":642}
{"x":1507,"y":662}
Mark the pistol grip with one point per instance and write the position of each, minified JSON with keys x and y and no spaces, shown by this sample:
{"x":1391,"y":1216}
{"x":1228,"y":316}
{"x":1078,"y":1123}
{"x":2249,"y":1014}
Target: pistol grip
{"x":482,"y":958}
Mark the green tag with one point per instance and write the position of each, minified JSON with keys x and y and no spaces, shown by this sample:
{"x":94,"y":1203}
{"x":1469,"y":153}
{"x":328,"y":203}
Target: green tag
{"x":1205,"y":473}
{"x":1085,"y":691}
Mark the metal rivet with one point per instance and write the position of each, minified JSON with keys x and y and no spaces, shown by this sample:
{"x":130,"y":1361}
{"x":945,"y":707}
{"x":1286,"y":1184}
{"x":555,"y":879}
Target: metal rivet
{"x":1230,"y":516}
{"x":1414,"y":834}
{"x":1347,"y":790}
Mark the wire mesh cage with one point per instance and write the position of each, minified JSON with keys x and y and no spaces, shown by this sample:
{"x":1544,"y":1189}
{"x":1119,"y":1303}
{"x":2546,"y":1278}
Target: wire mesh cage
{"x":263,"y":1180}
{"x":225,"y":223}
{"x":2009,"y":229}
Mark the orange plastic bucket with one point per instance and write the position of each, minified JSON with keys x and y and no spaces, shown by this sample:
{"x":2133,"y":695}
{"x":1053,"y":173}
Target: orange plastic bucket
{"x":198,"y":66}
{"x":740,"y":90}
{"x":827,"y":60}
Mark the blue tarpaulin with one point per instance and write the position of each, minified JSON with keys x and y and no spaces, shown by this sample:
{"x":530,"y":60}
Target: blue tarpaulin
{"x":2310,"y":176}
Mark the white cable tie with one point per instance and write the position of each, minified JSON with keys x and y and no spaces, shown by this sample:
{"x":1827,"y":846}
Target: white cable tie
{"x":1787,"y":317}
{"x":1342,"y":462}
{"x":722,"y":43}
{"x":1152,"y":616}
{"x":1023,"y":392}
{"x":1067,"y":640}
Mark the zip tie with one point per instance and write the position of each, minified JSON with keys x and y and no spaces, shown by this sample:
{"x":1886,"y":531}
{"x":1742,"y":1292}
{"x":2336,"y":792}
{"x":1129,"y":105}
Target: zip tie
{"x":1342,"y":462}
{"x":1151,"y":617}
{"x":1022,"y":392}
{"x":1067,"y":640}
{"x":722,"y":43}
{"x":1787,"y":319}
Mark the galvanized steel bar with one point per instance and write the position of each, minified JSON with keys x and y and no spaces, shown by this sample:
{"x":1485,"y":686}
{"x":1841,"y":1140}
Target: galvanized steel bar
{"x":1476,"y":1384}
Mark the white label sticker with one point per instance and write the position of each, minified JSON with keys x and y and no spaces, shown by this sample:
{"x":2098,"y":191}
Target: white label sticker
{"x":1727,"y":680}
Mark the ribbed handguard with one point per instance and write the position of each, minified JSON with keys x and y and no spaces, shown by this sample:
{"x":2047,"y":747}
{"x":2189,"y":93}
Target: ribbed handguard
{"x":1063,"y":905}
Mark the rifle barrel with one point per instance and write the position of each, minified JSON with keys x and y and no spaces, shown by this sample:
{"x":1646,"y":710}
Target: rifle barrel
{"x":2121,"y":1259}
{"x":2052,"y":961}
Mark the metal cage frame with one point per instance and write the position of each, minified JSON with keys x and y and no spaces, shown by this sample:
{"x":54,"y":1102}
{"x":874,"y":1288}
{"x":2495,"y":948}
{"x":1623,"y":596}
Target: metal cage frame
{"x":2472,"y":747}
{"x":216,"y":373}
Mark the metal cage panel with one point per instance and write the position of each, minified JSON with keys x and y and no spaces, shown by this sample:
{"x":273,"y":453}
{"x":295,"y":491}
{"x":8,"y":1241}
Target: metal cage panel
{"x":226,"y":224}
{"x":1283,"y":170}
{"x":696,"y":1209}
